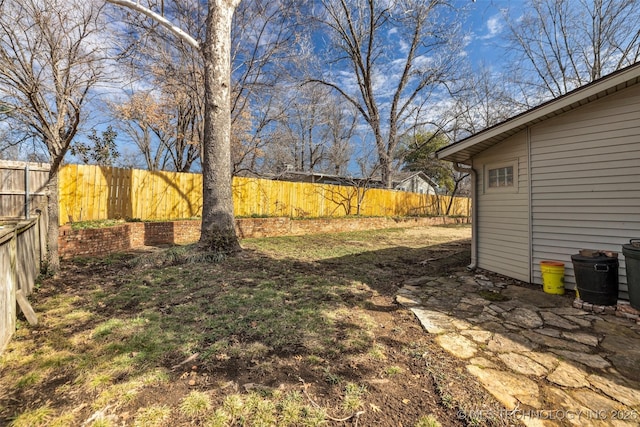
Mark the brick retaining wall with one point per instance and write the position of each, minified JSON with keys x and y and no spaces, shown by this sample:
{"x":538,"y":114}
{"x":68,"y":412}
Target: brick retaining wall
{"x":136,"y":235}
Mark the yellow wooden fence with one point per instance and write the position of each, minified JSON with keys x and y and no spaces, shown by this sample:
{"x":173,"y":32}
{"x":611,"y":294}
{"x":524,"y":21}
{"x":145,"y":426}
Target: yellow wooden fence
{"x":98,"y":192}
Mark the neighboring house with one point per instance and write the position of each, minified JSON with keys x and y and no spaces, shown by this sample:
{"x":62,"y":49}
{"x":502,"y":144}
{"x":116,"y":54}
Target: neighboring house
{"x":558,"y":178}
{"x":416,"y":182}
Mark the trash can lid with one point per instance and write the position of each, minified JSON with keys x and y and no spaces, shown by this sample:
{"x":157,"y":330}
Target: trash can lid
{"x":596,"y":259}
{"x":632,"y":246}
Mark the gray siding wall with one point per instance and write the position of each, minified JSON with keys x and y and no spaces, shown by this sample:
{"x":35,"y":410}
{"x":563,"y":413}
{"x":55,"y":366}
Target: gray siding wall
{"x":585,"y":184}
{"x":503,"y":219}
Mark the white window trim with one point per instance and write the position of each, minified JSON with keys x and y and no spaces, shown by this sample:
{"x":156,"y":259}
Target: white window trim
{"x":504,"y":164}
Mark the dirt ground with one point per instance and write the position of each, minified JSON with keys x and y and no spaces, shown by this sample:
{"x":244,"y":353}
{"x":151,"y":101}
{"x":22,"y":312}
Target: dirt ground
{"x":107,"y":322}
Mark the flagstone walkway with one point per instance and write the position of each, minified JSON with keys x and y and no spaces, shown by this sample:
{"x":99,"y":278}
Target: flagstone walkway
{"x":546,"y":361}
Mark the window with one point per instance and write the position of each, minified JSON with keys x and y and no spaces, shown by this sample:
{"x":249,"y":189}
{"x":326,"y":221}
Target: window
{"x":501,"y":177}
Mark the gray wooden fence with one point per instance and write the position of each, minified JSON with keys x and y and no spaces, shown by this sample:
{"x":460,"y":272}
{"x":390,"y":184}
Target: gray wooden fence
{"x":22,"y":188}
{"x":22,"y":251}
{"x":22,"y":237}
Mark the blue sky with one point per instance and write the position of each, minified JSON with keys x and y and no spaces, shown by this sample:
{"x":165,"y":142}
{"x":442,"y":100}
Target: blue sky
{"x":487,"y":24}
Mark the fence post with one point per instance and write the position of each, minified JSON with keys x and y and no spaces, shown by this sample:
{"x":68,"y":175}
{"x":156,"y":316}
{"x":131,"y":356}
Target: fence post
{"x":12,"y":284}
{"x":26,"y":191}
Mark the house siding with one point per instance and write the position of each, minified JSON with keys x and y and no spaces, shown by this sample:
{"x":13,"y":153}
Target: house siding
{"x":503,"y":220}
{"x":585,"y":185}
{"x":416,"y":185}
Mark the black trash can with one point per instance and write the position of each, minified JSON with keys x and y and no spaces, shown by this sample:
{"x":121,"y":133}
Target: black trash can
{"x":631,"y":254}
{"x":596,"y":278}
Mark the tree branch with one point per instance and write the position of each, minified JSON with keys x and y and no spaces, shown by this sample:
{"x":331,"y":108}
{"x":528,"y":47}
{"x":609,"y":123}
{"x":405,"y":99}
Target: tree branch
{"x":130,"y":4}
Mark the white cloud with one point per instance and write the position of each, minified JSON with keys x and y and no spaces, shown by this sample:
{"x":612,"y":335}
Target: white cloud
{"x":404,"y":46}
{"x":494,"y":27}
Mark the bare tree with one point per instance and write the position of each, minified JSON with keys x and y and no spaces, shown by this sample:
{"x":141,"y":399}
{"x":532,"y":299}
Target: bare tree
{"x":338,"y":135}
{"x":264,"y":39}
{"x":51,"y":59}
{"x":141,"y":118}
{"x":313,"y":133}
{"x":9,"y":149}
{"x":166,"y":129}
{"x":267,"y":39}
{"x":162,"y":111}
{"x":564,"y":44}
{"x":483,"y":101}
{"x":398,"y":55}
{"x":218,"y":226}
{"x":298,"y":130}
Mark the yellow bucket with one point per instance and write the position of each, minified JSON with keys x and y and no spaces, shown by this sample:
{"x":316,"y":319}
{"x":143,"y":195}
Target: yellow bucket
{"x":552,"y":277}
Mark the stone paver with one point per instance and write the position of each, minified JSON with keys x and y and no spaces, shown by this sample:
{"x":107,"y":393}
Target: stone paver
{"x":580,"y":321}
{"x":510,"y":342}
{"x":482,"y":362}
{"x":509,"y":389}
{"x":522,"y":364}
{"x":592,"y":360}
{"x":408,"y":301}
{"x":457,"y":345}
{"x":433,"y":321}
{"x":620,"y":392}
{"x":558,"y":343}
{"x":525,"y":318}
{"x":583,"y":338}
{"x":553,"y":319}
{"x":568,"y":375}
{"x":539,"y":353}
{"x":478,"y":336}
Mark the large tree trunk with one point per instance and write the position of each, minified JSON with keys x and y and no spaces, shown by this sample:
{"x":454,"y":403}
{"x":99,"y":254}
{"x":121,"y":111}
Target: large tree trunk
{"x":218,"y":225}
{"x":53,"y":261}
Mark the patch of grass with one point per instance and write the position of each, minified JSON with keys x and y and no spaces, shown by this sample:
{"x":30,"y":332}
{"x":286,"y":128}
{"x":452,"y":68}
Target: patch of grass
{"x":377,"y":352}
{"x":493,"y":296}
{"x":447,"y":400}
{"x":37,"y":417}
{"x":353,"y":394}
{"x":332,"y":378}
{"x":120,"y":326}
{"x":195,"y":405}
{"x":29,"y":380}
{"x":100,"y":380}
{"x":291,"y":408}
{"x":261,"y":411}
{"x":118,"y":394}
{"x":233,"y":405}
{"x":256,"y":409}
{"x":312,"y":359}
{"x":154,"y":377}
{"x":428,"y":421}
{"x":393,"y":370}
{"x":102,"y":223}
{"x":322,"y":246}
{"x":152,"y":416}
{"x":219,"y":418}
{"x":64,"y":420}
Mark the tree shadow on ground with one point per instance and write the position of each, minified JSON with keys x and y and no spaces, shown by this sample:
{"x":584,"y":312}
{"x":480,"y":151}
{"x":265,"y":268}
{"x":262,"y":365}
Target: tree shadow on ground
{"x":116,"y":336}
